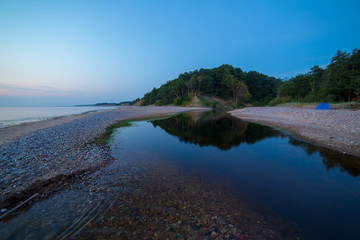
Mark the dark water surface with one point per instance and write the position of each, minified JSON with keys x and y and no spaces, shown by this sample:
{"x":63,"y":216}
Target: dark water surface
{"x":204,"y":173}
{"x":314,"y":187}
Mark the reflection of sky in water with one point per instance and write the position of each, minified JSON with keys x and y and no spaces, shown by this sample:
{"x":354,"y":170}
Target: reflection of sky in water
{"x":275,"y":174}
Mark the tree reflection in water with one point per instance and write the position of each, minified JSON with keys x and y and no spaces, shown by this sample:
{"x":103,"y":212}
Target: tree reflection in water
{"x":225,"y":132}
{"x":213,"y":129}
{"x":331,"y":159}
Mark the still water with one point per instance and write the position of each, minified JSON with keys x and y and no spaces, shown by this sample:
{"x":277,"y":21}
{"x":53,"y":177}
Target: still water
{"x":315,"y":188}
{"x":172,"y":174}
{"x":10,"y":116}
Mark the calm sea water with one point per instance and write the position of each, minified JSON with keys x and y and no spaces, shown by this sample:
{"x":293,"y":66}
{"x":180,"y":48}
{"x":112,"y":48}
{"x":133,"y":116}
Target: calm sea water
{"x":275,"y":174}
{"x":10,"y":116}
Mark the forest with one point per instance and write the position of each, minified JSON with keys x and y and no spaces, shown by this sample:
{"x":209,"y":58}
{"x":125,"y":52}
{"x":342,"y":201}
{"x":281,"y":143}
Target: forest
{"x":225,"y":82}
{"x":337,"y":82}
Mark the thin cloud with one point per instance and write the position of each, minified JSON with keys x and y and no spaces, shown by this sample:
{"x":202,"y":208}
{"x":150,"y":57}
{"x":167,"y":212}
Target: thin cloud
{"x":15,"y":90}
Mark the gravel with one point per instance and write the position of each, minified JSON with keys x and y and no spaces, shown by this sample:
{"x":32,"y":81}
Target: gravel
{"x":61,"y":150}
{"x":335,"y":129}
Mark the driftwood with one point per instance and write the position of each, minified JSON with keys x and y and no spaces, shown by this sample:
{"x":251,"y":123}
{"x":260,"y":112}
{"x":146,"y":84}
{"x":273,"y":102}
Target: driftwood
{"x":78,"y":223}
{"x":18,"y":206}
{"x":82,"y":227}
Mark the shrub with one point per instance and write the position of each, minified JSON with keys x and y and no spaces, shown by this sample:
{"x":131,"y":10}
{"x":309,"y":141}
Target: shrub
{"x":311,"y":97}
{"x":159,"y":102}
{"x":279,"y":100}
{"x":357,"y":99}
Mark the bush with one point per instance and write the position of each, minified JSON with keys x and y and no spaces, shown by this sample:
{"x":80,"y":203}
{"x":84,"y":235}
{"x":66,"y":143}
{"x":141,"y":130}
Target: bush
{"x":279,"y":100}
{"x":356,"y":100}
{"x":311,"y":97}
{"x":159,"y":102}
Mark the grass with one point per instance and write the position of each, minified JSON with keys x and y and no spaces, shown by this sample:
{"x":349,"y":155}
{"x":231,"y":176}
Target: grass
{"x":105,"y":137}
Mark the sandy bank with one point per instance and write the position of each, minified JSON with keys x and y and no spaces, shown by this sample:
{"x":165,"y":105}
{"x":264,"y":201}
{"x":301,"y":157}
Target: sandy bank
{"x":334,"y":129}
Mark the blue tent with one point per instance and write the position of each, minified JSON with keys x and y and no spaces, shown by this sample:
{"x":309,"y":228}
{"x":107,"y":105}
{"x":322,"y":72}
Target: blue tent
{"x":323,"y":106}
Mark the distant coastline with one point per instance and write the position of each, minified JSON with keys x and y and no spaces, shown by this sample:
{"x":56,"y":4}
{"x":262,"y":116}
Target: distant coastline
{"x":124,"y":103}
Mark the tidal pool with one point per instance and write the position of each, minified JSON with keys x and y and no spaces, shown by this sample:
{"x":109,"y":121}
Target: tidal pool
{"x":203,"y":175}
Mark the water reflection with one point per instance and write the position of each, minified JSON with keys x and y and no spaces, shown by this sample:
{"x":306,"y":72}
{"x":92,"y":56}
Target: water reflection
{"x":214,"y":129}
{"x":225,"y":132}
{"x":265,"y":180}
{"x":331,"y":159}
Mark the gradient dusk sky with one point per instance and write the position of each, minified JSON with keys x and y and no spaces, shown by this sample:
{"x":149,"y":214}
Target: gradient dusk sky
{"x":56,"y":53}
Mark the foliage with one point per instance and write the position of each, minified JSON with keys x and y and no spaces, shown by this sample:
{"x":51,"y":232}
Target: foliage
{"x":356,"y":100}
{"x":279,"y":100}
{"x":207,"y":102}
{"x":225,"y":82}
{"x":105,"y":137}
{"x":339,"y":81}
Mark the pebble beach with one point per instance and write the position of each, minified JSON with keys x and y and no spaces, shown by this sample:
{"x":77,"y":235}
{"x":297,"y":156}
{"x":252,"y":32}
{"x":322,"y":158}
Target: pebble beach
{"x":337,"y":129}
{"x":54,"y":163}
{"x":39,"y":154}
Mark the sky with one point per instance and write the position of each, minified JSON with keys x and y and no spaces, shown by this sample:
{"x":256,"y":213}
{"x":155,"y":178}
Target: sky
{"x":60,"y":53}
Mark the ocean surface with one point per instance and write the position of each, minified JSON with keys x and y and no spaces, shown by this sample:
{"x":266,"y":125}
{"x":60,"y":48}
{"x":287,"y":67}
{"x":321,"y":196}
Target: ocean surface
{"x":10,"y":116}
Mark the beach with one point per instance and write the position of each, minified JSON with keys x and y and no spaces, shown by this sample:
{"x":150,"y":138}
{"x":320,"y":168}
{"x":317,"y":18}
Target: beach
{"x":51,"y":151}
{"x":54,"y":163}
{"x":337,"y":129}
{"x":39,"y":157}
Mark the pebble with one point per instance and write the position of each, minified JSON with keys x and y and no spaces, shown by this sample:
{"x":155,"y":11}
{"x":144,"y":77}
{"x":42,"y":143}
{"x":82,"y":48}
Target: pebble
{"x":62,"y":149}
{"x":312,"y":124}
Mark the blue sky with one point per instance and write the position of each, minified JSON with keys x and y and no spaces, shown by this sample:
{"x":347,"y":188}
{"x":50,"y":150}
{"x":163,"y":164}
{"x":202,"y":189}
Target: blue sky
{"x":76,"y":52}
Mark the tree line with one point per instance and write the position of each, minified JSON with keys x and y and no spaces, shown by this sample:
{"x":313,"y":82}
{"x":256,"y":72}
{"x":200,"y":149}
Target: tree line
{"x":225,"y":82}
{"x":337,"y":82}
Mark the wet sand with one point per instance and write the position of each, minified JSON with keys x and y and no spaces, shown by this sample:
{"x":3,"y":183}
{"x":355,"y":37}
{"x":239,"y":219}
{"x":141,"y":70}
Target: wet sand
{"x":335,"y":129}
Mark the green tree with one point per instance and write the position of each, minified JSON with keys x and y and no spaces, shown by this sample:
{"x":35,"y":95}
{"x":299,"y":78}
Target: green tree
{"x":241,"y":92}
{"x":316,"y":73}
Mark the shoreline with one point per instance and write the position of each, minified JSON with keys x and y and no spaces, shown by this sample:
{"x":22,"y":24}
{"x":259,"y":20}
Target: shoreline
{"x":36,"y":155}
{"x":338,"y":130}
{"x":12,"y":132}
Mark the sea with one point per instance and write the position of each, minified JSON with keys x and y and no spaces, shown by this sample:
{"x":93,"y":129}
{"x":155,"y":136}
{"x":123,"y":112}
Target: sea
{"x":11,"y":116}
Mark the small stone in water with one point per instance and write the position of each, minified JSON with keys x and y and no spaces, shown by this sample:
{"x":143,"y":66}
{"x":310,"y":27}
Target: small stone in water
{"x":3,"y":210}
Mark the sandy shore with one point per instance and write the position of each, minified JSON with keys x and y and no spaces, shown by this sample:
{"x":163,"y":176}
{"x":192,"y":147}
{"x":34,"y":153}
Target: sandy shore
{"x":335,"y":129}
{"x":39,"y":154}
